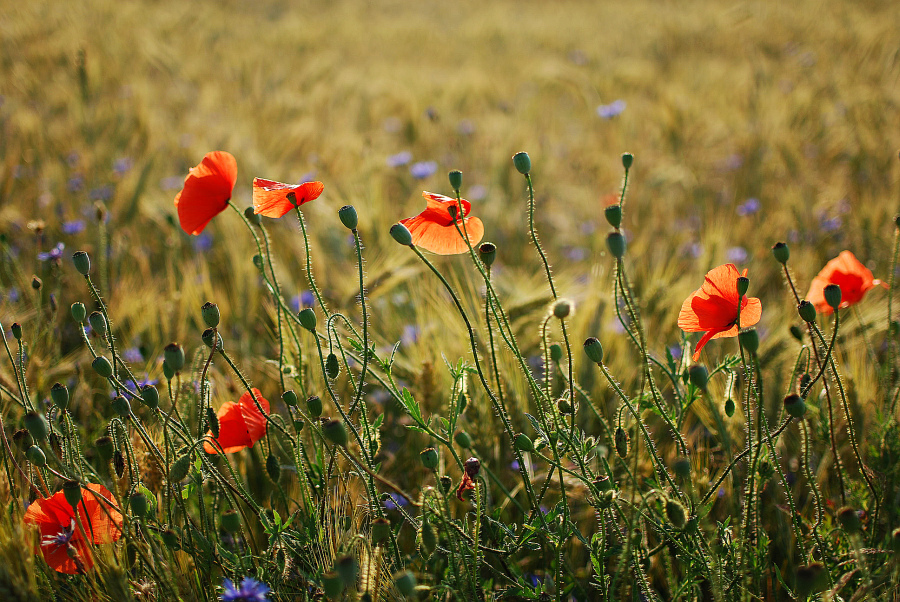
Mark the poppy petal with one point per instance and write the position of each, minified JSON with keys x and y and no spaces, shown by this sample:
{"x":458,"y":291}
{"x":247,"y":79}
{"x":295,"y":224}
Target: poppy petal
{"x":206,"y":192}
{"x":270,"y":197}
{"x":255,"y":421}
{"x":849,"y":273}
{"x":443,"y":240}
{"x":233,"y":435}
{"x":103,"y":523}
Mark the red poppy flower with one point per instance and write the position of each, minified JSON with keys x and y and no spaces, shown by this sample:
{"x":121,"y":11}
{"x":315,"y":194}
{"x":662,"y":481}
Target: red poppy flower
{"x":713,"y":308}
{"x":270,"y":198}
{"x":847,"y":272}
{"x":240,"y":424}
{"x":207,"y":190}
{"x":433,"y":229}
{"x":55,"y":518}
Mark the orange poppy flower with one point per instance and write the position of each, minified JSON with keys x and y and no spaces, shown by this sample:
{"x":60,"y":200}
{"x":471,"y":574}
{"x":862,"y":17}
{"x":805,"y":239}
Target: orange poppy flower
{"x":713,"y":308}
{"x":207,"y":190}
{"x":241,"y":424}
{"x":847,"y":272}
{"x":270,"y":198}
{"x":433,"y":229}
{"x":55,"y":519}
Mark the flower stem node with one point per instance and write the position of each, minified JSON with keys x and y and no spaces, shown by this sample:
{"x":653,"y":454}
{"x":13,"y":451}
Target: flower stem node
{"x":314,"y":406}
{"x":749,"y":340}
{"x":488,"y":253}
{"x":121,"y":407}
{"x":613,"y":215}
{"x":139,"y":505}
{"x":522,"y":162}
{"x":832,"y":294}
{"x":211,"y":334}
{"x":781,"y":252}
{"x":463,"y":440}
{"x":615,"y":242}
{"x":524,"y":443}
{"x":82,"y":263}
{"x":230,"y":521}
{"x":405,"y":582}
{"x":794,"y":405}
{"x":150,"y":396}
{"x":210,"y":313}
{"x":807,"y":311}
{"x":594,"y":350}
{"x":173,"y":354}
{"x":97,"y":322}
{"x":60,"y":395}
{"x":307,"y":319}
{"x":37,"y":426}
{"x":401,"y":234}
{"x":273,"y":468}
{"x":335,"y":431}
{"x":627,"y":160}
{"x":562,"y":308}
{"x":429,"y":458}
{"x":289,"y":398}
{"x":252,"y":217}
{"x":455,"y":177}
{"x":78,"y":311}
{"x":347,"y":215}
{"x":699,"y":376}
{"x":621,"y":441}
{"x":36,"y":456}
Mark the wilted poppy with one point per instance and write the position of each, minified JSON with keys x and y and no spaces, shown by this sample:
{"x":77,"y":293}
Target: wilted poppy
{"x":847,"y":272}
{"x":713,"y":308}
{"x":207,"y":190}
{"x":270,"y":198}
{"x":433,"y":229}
{"x":240,"y":424}
{"x":55,"y":518}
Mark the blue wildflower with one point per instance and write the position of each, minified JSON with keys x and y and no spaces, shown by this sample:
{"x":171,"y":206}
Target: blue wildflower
{"x":132,"y":355}
{"x":307,"y":299}
{"x":55,"y":253}
{"x":393,"y":501}
{"x":611,"y":110}
{"x":73,"y":227}
{"x":75,"y":183}
{"x":307,"y":177}
{"x":101,"y":193}
{"x":12,"y":295}
{"x":203,"y":242}
{"x":736,"y":254}
{"x":748,"y":207}
{"x":423,"y":169}
{"x":250,"y":590}
{"x":410,"y":334}
{"x":400,"y":159}
{"x":122,"y":165}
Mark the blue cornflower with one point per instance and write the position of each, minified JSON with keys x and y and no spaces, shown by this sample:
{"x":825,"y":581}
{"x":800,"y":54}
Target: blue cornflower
{"x":203,"y":242}
{"x":748,"y":207}
{"x":132,"y":355}
{"x":101,"y":193}
{"x":250,"y":590}
{"x":423,"y":169}
{"x":54,"y":253}
{"x":736,"y":254}
{"x":12,"y":295}
{"x":75,"y":183}
{"x":400,"y":159}
{"x":609,"y":111}
{"x":73,"y":227}
{"x":394,"y":501}
{"x":122,"y":165}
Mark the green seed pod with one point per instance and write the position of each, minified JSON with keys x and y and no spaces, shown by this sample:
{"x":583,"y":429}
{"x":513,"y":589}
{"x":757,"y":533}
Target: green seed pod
{"x":332,"y":584}
{"x":252,"y":217}
{"x":456,"y":180}
{"x":405,"y":582}
{"x":332,"y":366}
{"x":173,"y":353}
{"x":273,"y":468}
{"x":594,"y":350}
{"x":749,"y":340}
{"x":562,"y":308}
{"x":72,"y":492}
{"x":381,"y":530}
{"x":429,"y":458}
{"x":212,"y":421}
{"x":401,"y":234}
{"x":807,"y":311}
{"x":796,"y":333}
{"x":121,"y":407}
{"x":627,"y":160}
{"x":463,"y":439}
{"x":613,"y":215}
{"x":78,"y":311}
{"x":23,"y":439}
{"x":230,"y":521}
{"x":743,"y":283}
{"x":556,"y":353}
{"x":16,"y":329}
{"x":682,"y":467}
{"x":307,"y":319}
{"x":314,"y":406}
{"x":37,"y":426}
{"x":105,"y":449}
{"x":347,"y":215}
{"x":699,"y":376}
{"x":811,"y":579}
{"x":167,"y":371}
{"x":564,"y":406}
{"x":60,"y":395}
{"x":427,"y":537}
{"x":615,"y":242}
{"x":781,"y":252}
{"x":82,"y":262}
{"x":621,"y":439}
{"x":729,"y":407}
{"x":139,"y":505}
{"x":604,"y":483}
{"x":524,"y":443}
{"x":336,"y":432}
{"x":849,"y":520}
{"x":170,"y":539}
{"x":36,"y":283}
{"x":36,"y":456}
{"x":794,"y":405}
{"x":102,"y":366}
{"x":150,"y":396}
{"x":209,"y":335}
{"x":210,"y":313}
{"x":289,"y":398}
{"x":676,"y":514}
{"x":488,"y":253}
{"x":347,"y":569}
{"x":178,"y":470}
{"x":97,"y":322}
{"x":522,"y":162}
{"x":446,"y":484}
{"x":832,"y":295}
{"x":298,"y":425}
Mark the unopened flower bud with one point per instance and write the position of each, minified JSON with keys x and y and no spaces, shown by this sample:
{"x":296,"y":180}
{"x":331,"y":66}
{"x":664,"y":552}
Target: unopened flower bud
{"x":676,"y":514}
{"x":258,"y":262}
{"x":212,"y":421}
{"x":174,"y":356}
{"x":167,"y":371}
{"x":121,"y":407}
{"x":336,"y":432}
{"x":314,"y":406}
{"x":210,"y":313}
{"x":289,"y":398}
{"x":97,"y":322}
{"x":488,"y":253}
{"x":796,"y":332}
{"x":332,"y":366}
{"x":36,"y":456}
{"x":615,"y":242}
{"x":781,"y":252}
{"x":60,"y":395}
{"x":211,"y":336}
{"x":621,"y":441}
{"x":455,"y":177}
{"x":347,"y":215}
{"x":37,"y":425}
{"x":556,"y":353}
{"x":252,"y":217}
{"x":16,"y":329}
{"x":522,"y":162}
{"x":811,"y":579}
{"x":139,"y":505}
{"x":179,"y":468}
{"x":594,"y":350}
{"x":102,"y":366}
{"x":429,"y":458}
{"x":273,"y":468}
{"x":613,"y":215}
{"x":78,"y":311}
{"x":832,"y":295}
{"x":347,"y":569}
{"x":446,"y":484}
{"x":627,"y":160}
{"x":849,"y":520}
{"x":807,"y":311}
{"x":105,"y":449}
{"x":401,"y":234}
{"x":463,"y":439}
{"x":307,"y":319}
{"x":699,"y":376}
{"x":682,"y":467}
{"x":749,"y":340}
{"x":82,"y":263}
{"x":524,"y":443}
{"x":150,"y":396}
{"x":332,"y":585}
{"x":729,"y":407}
{"x":381,"y":530}
{"x":405,"y":582}
{"x":36,"y":283}
{"x":562,"y":308}
{"x":794,"y":405}
{"x":564,"y":406}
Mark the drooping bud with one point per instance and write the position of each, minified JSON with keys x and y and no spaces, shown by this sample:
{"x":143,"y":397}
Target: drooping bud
{"x":455,"y":178}
{"x":699,"y":376}
{"x":121,"y":407}
{"x":82,"y":262}
{"x":401,"y":234}
{"x":210,"y":336}
{"x":138,"y":503}
{"x":807,"y":311}
{"x":212,"y":422}
{"x":37,"y":425}
{"x":427,"y":537}
{"x":78,"y":311}
{"x":174,"y":356}
{"x":97,"y":322}
{"x":781,"y":252}
{"x":522,"y":162}
{"x":150,"y":396}
{"x":429,"y":458}
{"x":179,"y":468}
{"x":621,"y":440}
{"x":210,"y":313}
{"x":314,"y":406}
{"x":36,"y":456}
{"x":613,"y":215}
{"x":627,"y":160}
{"x":594,"y":350}
{"x":348,"y":570}
{"x":729,"y":407}
{"x":676,"y":514}
{"x":230,"y":521}
{"x":381,"y":530}
{"x":105,"y":449}
{"x":347,"y":215}
{"x":60,"y":395}
{"x":794,"y":405}
{"x":258,"y":262}
{"x":615,"y":242}
{"x":36,"y":283}
{"x":796,"y":332}
{"x":332,"y":366}
{"x":556,"y":353}
{"x":488,"y":253}
{"x":167,"y":371}
{"x":405,"y":582}
{"x":562,"y":308}
{"x":335,"y":431}
{"x":524,"y":443}
{"x":252,"y":217}
{"x":849,"y":520}
{"x":749,"y":340}
{"x":289,"y":398}
{"x":463,"y":439}
{"x":832,"y":294}
{"x":273,"y":468}
{"x":119,"y":463}
{"x":307,"y":319}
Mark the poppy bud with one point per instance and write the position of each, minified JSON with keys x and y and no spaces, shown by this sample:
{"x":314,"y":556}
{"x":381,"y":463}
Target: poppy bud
{"x":82,"y":263}
{"x":811,"y":579}
{"x":428,"y":537}
{"x":627,"y":160}
{"x":613,"y":215}
{"x":699,"y":376}
{"x":729,"y":407}
{"x":381,"y":530}
{"x":429,"y":458}
{"x":522,"y":162}
{"x":794,"y":405}
{"x":289,"y":398}
{"x":336,"y":432}
{"x":307,"y":319}
{"x":743,"y":283}
{"x":832,"y":294}
{"x":170,"y":538}
{"x":401,"y":234}
{"x":230,"y":521}
{"x":37,"y":425}
{"x":556,"y":353}
{"x":562,"y":308}
{"x":676,"y":514}
{"x":173,"y":354}
{"x":210,"y":313}
{"x":36,"y":283}
{"x":453,"y":210}
{"x":849,"y":520}
{"x":178,"y":470}
{"x":682,"y":467}
{"x":463,"y":439}
{"x":348,"y":217}
{"x":472,"y":466}
{"x":150,"y":396}
{"x":805,"y":379}
{"x":807,"y":311}
{"x":749,"y":340}
{"x":332,"y":366}
{"x":121,"y":407}
{"x":564,"y":406}
{"x":273,"y":468}
{"x":138,"y":503}
{"x":209,"y":335}
{"x":60,"y":395}
{"x":78,"y":311}
{"x":252,"y":217}
{"x":332,"y":585}
{"x":167,"y":371}
{"x":36,"y":456}
{"x":72,"y":492}
{"x":488,"y":253}
{"x":615,"y":242}
{"x":603,"y":483}
{"x":104,"y":446}
{"x":213,"y":422}
{"x":314,"y":406}
{"x":455,"y":177}
{"x":258,"y":262}
{"x":23,"y":439}
{"x":781,"y":252}
{"x":102,"y":366}
{"x":16,"y":329}
{"x":796,"y":332}
{"x":446,"y":484}
{"x":97,"y":322}
{"x":405,"y":582}
{"x":524,"y":443}
{"x":594,"y":350}
{"x":621,"y":439}
{"x":348,"y":569}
